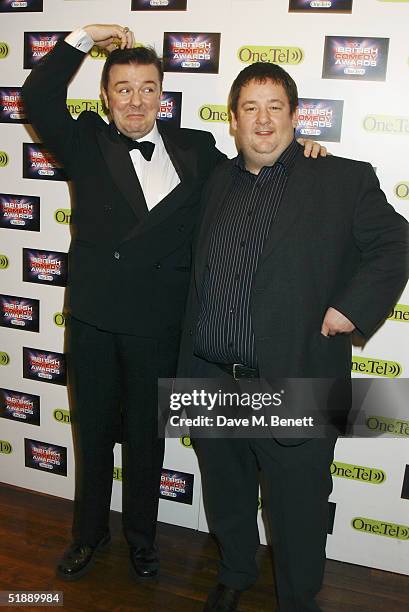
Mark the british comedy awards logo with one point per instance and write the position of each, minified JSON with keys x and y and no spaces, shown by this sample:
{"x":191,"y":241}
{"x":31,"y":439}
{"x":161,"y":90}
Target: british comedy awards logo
{"x":21,"y":6}
{"x":20,"y":406}
{"x":171,"y":107}
{"x":39,"y":163}
{"x":19,"y":313}
{"x":359,"y":58}
{"x":45,"y":267}
{"x":45,"y":457}
{"x":38,"y":44}
{"x":176,"y":486}
{"x":191,"y":52}
{"x":159,"y":5}
{"x":320,"y":6}
{"x":320,"y":119}
{"x":11,"y":105}
{"x":44,"y":366}
{"x":19,"y":212}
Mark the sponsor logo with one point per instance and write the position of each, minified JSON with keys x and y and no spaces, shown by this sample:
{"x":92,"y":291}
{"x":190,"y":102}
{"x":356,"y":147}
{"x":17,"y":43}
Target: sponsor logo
{"x":381,"y":424}
{"x":405,"y":485}
{"x":45,"y":267}
{"x":38,"y":44}
{"x":320,"y":6}
{"x":158,"y":5}
{"x":377,"y":367}
{"x":249,"y":54}
{"x":4,"y":358}
{"x":19,"y":406}
{"x":59,"y":319}
{"x":11,"y":105}
{"x":19,"y":313}
{"x":400,"y":313}
{"x":176,"y":486}
{"x":381,"y":528}
{"x":62,"y":416}
{"x":63,"y":216}
{"x":214,"y":113}
{"x":170,"y":107}
{"x":4,"y":262}
{"x":358,"y":472}
{"x":77,"y":106}
{"x":5,"y":447}
{"x":20,"y":6}
{"x":386,"y":124}
{"x":191,"y":52}
{"x":331,"y":516}
{"x":44,"y":366}
{"x":19,"y":212}
{"x":186,"y":442}
{"x":4,"y":48}
{"x":117,"y":475}
{"x":4,"y":159}
{"x":38,"y":163}
{"x":320,"y":119}
{"x":402,"y":190}
{"x":359,"y":58}
{"x":45,"y":457}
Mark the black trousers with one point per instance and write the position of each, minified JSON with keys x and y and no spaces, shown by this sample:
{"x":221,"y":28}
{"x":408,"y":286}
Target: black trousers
{"x":113,"y":389}
{"x":296,"y":484}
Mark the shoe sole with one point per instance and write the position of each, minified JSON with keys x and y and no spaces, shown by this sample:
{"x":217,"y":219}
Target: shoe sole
{"x":103,"y":546}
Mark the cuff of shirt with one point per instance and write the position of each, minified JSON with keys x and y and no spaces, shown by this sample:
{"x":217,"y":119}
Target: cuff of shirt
{"x":80,"y":40}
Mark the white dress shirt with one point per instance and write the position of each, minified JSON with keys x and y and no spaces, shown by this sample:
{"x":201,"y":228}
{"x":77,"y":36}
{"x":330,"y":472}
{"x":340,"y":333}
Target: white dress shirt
{"x":158,"y":176}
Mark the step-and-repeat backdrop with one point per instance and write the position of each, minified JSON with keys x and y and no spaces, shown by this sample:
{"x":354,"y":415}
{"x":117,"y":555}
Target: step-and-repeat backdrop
{"x":350,"y":59}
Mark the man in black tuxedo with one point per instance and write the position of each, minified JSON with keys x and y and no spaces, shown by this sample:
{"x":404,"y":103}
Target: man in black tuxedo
{"x":290,"y":258}
{"x":137,"y":187}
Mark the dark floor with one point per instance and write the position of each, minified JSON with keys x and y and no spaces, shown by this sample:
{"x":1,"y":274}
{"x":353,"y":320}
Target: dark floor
{"x":34,"y":530}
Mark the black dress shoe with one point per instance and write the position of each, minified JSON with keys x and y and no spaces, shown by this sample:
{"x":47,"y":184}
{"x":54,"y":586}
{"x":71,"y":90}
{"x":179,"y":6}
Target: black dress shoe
{"x":78,"y":559}
{"x":144,"y":562}
{"x":222,"y":599}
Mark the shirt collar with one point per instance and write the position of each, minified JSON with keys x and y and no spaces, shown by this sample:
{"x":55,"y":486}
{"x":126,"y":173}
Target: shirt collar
{"x":286,"y":159}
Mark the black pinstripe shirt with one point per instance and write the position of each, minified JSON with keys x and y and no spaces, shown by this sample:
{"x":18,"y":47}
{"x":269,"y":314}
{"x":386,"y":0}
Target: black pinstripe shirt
{"x":224,"y":331}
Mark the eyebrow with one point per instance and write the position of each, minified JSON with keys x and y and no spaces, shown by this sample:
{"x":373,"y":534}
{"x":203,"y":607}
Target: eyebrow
{"x":255,"y":101}
{"x":127,"y":82}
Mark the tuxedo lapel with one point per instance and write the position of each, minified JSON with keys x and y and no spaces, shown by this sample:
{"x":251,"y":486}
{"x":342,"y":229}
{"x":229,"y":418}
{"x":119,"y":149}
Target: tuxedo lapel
{"x":121,"y":168}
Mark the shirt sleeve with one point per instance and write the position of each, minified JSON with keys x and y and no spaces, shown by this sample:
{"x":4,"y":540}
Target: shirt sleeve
{"x":80,"y":40}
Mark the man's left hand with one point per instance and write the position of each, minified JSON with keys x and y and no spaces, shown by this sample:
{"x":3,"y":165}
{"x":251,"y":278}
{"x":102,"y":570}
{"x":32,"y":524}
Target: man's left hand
{"x":336,"y":323}
{"x":312,"y":148}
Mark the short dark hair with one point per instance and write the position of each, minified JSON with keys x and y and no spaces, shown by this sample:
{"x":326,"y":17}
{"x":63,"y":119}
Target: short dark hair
{"x":136,"y":55}
{"x":261,"y":72}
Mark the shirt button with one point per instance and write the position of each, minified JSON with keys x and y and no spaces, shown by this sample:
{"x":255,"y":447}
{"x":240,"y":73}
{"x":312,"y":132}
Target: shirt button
{"x":232,"y":310}
{"x":157,"y":266}
{"x":107,"y":208}
{"x":117,"y":255}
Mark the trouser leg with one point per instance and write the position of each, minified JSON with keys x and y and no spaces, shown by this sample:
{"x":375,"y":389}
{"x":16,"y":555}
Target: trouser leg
{"x":298,"y":483}
{"x":230,"y":489}
{"x":94,"y":397}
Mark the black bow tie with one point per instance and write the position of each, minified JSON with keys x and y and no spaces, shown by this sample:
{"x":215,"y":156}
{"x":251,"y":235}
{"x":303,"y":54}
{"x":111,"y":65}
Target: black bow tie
{"x":145,"y":147}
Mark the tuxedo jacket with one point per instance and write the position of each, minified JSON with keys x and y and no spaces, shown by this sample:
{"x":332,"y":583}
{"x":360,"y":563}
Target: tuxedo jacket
{"x":335,"y":242}
{"x":128,"y":267}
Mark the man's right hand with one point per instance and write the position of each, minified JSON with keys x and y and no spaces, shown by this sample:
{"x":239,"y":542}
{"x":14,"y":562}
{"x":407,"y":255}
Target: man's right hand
{"x":110,"y":36}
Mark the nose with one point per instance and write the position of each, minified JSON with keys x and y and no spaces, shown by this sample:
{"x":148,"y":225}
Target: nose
{"x":263,"y":116}
{"x":136,"y":98}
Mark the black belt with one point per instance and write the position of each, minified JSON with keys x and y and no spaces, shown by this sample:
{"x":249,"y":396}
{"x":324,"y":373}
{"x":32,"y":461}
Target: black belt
{"x":238,"y":370}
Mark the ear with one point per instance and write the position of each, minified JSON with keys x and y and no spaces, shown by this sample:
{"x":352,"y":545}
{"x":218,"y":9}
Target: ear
{"x":105,"y":98}
{"x":233,"y":120}
{"x":295,"y":118}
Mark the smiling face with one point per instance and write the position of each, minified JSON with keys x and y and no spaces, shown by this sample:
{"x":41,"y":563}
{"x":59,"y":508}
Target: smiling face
{"x":133,"y":98}
{"x":263,"y":122}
